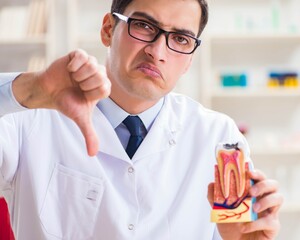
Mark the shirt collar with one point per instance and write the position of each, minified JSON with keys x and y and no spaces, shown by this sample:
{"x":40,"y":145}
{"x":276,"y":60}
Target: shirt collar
{"x":116,"y":114}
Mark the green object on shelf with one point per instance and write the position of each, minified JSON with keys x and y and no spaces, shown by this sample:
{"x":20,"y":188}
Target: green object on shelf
{"x":234,"y":80}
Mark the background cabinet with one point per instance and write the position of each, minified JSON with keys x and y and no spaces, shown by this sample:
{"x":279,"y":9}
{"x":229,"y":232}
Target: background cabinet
{"x":25,"y":34}
{"x":251,"y":37}
{"x":255,"y":38}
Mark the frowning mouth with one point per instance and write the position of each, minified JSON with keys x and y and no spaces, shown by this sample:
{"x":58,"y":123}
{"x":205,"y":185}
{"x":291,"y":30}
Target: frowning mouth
{"x":149,"y":70}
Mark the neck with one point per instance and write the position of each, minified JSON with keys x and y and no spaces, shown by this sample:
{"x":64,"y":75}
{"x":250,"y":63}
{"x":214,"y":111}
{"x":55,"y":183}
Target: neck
{"x":131,"y":105}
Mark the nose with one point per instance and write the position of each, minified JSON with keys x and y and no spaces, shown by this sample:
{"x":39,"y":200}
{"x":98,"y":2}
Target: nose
{"x":158,"y":49}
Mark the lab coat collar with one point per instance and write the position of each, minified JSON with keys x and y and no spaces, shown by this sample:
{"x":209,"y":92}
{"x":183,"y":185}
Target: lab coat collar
{"x":161,"y":136}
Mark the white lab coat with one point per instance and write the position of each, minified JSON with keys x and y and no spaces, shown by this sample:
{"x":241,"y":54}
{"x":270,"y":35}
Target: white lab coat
{"x":56,"y":191}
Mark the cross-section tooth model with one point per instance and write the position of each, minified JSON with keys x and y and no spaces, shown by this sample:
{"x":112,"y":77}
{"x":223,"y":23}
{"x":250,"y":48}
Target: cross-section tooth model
{"x":231,"y":200}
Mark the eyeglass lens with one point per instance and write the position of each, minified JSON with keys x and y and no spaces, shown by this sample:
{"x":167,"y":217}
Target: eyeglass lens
{"x":147,"y":32}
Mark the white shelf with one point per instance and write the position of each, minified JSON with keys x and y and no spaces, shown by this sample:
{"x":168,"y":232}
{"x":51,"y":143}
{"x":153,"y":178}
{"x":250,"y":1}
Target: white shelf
{"x":269,"y":152}
{"x":282,"y":38}
{"x":237,"y":92}
{"x":24,"y":41}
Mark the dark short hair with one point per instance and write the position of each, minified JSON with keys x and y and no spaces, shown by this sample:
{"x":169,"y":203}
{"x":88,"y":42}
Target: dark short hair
{"x":119,"y":6}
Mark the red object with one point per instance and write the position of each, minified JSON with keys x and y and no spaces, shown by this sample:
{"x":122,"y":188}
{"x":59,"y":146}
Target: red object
{"x":5,"y":228}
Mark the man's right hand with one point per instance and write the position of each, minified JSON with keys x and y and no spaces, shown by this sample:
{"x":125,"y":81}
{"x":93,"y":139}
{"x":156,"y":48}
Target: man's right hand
{"x":72,"y":85}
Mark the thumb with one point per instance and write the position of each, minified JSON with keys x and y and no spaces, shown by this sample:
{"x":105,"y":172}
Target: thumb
{"x":89,"y":133}
{"x":210,"y":193}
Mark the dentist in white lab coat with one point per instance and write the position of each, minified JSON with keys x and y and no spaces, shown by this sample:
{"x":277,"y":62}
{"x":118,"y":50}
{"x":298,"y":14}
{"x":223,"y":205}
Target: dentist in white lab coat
{"x":64,"y":170}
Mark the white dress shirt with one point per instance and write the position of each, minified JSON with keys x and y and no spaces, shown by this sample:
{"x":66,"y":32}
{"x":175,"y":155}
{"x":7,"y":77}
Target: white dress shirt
{"x":8,"y":103}
{"x":56,"y":191}
{"x":115,"y":115}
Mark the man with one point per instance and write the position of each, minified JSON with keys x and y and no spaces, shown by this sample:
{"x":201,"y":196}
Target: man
{"x":56,"y":190}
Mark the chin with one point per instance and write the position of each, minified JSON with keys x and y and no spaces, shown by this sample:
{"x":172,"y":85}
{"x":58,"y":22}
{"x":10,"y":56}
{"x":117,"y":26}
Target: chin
{"x":145,"y":94}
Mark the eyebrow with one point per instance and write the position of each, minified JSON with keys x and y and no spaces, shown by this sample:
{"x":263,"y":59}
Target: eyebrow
{"x":157,"y":23}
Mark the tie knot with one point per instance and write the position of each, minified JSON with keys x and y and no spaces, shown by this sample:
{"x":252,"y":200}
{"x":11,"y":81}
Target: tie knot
{"x":134,"y":124}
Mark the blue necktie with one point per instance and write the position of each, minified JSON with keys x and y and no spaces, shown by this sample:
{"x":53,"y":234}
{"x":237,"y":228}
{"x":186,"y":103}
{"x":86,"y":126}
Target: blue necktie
{"x":135,"y":126}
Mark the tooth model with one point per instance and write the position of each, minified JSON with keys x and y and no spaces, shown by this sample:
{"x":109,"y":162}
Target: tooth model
{"x":231,"y":200}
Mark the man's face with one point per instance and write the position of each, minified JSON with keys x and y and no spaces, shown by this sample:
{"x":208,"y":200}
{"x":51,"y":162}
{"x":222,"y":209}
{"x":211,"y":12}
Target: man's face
{"x":141,"y":73}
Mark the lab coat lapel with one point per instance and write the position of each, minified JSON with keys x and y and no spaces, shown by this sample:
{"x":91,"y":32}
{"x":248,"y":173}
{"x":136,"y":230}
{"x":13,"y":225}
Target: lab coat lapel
{"x":109,"y":142}
{"x":163,"y":133}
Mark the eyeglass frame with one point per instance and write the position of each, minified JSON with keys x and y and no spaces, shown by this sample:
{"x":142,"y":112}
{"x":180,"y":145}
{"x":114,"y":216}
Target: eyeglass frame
{"x":161,"y":31}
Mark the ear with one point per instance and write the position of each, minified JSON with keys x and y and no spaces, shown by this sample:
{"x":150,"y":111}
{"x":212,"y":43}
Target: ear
{"x":107,"y":29}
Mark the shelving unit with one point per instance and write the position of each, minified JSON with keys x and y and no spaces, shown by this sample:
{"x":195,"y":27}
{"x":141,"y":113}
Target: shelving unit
{"x":26,"y":42}
{"x":256,"y":37}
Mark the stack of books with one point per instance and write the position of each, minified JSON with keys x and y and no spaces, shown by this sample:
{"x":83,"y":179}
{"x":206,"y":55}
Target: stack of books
{"x":19,"y":22}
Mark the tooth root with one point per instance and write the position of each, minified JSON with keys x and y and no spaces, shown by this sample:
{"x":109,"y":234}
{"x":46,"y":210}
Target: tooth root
{"x":240,"y":162}
{"x":221,"y":171}
{"x":231,"y":161}
{"x":221,"y":159}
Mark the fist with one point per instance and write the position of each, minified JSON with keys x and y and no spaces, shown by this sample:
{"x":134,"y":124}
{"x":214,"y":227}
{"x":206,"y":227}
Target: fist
{"x":74,"y":84}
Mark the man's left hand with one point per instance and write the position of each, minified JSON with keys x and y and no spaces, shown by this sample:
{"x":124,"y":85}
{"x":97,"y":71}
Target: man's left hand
{"x":267,"y":205}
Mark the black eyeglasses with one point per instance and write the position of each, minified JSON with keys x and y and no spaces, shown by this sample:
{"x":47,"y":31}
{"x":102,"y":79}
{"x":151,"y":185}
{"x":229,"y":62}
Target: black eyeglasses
{"x":148,"y":32}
